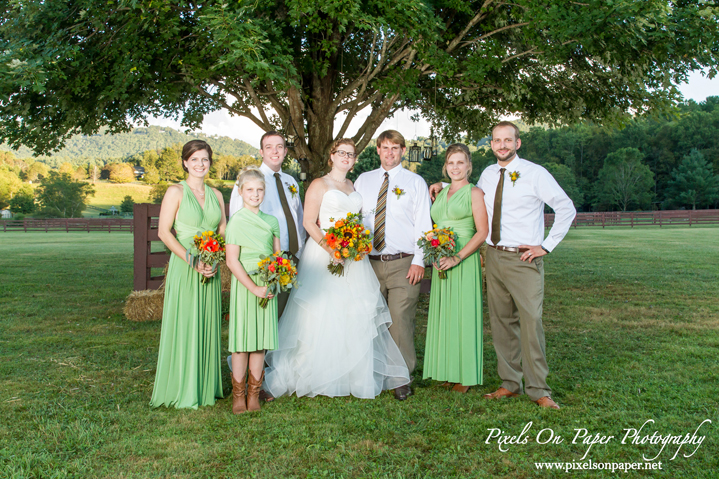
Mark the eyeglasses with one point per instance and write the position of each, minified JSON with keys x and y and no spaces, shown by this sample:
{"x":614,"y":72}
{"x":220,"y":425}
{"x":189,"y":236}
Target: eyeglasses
{"x":345,"y":154}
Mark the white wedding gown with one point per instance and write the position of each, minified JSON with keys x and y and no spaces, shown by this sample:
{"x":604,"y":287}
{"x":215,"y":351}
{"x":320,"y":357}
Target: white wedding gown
{"x":333,"y":336}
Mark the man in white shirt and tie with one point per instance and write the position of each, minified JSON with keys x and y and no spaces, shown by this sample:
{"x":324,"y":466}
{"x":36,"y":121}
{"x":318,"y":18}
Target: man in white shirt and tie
{"x":396,"y":210}
{"x":515,"y":192}
{"x":282,"y":199}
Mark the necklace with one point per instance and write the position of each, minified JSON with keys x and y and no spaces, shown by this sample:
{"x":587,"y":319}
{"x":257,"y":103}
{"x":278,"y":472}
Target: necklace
{"x":344,"y":180}
{"x":201,"y":195}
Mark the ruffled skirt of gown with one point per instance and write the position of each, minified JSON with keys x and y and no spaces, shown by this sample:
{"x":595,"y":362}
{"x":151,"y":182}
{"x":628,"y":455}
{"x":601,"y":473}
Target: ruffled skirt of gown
{"x":333,"y":335}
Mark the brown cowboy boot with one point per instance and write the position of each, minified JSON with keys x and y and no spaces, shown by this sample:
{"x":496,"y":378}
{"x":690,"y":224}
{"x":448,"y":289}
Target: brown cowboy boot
{"x":253,"y":391}
{"x":239,"y":404}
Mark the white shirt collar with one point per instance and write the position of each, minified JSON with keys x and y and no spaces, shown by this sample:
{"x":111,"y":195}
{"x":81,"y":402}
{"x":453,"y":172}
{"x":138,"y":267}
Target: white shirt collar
{"x":392,"y":173}
{"x":267,"y":170}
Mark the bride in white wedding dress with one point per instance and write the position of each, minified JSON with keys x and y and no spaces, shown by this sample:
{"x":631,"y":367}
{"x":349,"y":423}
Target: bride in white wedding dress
{"x":333,"y":334}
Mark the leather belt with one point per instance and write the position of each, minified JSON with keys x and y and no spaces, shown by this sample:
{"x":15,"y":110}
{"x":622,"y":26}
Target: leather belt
{"x":508,"y":249}
{"x":389,"y":257}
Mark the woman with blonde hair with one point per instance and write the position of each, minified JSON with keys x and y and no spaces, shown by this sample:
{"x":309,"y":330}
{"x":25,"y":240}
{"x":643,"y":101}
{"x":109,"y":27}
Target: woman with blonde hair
{"x":453,"y":351}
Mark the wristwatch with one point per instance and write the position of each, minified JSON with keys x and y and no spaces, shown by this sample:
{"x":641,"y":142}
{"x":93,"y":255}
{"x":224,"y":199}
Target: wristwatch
{"x":545,"y":249}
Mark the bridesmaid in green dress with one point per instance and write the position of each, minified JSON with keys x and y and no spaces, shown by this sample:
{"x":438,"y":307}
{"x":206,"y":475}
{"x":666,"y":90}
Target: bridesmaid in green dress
{"x":453,"y":351}
{"x":188,"y":365}
{"x":250,"y":233}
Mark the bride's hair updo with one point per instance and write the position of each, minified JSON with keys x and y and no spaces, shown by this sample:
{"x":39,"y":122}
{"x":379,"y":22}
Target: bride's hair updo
{"x":249,"y":173}
{"x":336,"y":145}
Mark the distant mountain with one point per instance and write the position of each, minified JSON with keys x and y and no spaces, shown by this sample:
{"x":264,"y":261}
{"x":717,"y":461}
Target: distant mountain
{"x":106,"y":147}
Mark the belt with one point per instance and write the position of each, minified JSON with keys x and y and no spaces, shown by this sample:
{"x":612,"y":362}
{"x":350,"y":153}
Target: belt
{"x":508,"y":249}
{"x":389,"y":257}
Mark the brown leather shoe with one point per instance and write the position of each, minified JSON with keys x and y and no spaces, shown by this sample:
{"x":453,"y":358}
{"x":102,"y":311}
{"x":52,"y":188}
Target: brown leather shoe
{"x":547,"y":401}
{"x":500,"y":394}
{"x":239,"y":389}
{"x":402,"y":392}
{"x":253,"y":391}
{"x":458,"y":388}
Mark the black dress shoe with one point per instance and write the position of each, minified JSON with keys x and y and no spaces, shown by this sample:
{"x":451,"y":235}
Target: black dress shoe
{"x":402,"y":393}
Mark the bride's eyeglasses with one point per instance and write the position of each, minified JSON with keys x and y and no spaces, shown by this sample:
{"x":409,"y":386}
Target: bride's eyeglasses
{"x":345,"y":154}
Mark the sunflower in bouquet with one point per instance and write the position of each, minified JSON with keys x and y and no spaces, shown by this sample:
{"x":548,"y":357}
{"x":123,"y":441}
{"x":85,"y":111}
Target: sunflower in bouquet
{"x":207,"y":247}
{"x":278,"y":272}
{"x":349,"y":240}
{"x":438,"y":243}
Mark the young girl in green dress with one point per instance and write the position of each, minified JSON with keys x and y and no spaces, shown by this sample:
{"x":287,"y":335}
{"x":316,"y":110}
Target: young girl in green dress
{"x":250,"y":233}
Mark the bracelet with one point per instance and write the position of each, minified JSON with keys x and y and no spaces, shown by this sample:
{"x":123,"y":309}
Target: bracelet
{"x":460,"y":258}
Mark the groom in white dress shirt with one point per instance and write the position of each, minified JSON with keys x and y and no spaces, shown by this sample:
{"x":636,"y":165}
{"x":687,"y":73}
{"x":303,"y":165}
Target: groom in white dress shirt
{"x":279,"y":199}
{"x":396,"y":209}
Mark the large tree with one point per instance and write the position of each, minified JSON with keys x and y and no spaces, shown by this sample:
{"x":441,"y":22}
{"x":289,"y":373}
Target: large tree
{"x":61,"y":196}
{"x":693,"y":183}
{"x":624,"y":181}
{"x":75,"y":66}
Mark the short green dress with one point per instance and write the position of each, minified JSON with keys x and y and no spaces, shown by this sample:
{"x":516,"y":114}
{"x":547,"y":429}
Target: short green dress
{"x":453,"y":349}
{"x":252,"y":328}
{"x":188,"y":364}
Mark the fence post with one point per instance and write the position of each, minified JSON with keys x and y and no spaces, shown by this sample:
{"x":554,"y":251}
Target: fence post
{"x":141,"y":223}
{"x":67,"y":225}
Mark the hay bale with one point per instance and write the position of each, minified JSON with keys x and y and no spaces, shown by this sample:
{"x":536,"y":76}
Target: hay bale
{"x":144,"y":305}
{"x":226,"y":277}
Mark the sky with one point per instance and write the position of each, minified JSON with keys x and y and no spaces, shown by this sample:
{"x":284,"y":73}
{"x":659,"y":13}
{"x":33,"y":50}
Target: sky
{"x":698,"y":88}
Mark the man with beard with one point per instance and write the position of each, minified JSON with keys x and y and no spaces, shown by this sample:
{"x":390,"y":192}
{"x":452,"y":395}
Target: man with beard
{"x":515,"y":192}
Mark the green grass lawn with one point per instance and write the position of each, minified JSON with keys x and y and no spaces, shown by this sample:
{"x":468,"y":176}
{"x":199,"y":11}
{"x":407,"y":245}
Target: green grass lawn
{"x":110,"y":194}
{"x":632,"y":325}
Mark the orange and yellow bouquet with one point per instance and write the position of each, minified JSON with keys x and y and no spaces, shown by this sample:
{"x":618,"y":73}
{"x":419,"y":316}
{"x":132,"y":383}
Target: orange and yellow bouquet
{"x":279,"y":274}
{"x":349,"y":240}
{"x":209,"y":248}
{"x":438,"y":243}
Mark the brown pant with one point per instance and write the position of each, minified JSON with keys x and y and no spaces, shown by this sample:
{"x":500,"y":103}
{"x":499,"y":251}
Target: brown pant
{"x":515,"y":294}
{"x":402,"y":300}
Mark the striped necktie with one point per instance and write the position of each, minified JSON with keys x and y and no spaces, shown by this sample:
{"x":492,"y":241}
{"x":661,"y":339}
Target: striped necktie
{"x":380,"y":214}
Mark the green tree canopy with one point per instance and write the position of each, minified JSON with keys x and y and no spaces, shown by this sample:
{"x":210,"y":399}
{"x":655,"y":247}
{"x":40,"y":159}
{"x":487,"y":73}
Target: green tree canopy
{"x":566,"y":179}
{"x":74,"y":67}
{"x":10,"y":183}
{"x":693,"y":183}
{"x":127,"y":204}
{"x":61,"y":196}
{"x":624,"y":181}
{"x":23,"y":201}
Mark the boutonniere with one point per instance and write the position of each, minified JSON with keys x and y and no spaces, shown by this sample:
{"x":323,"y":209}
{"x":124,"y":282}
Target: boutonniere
{"x":292,"y":189}
{"x":514,"y":176}
{"x":398,"y":191}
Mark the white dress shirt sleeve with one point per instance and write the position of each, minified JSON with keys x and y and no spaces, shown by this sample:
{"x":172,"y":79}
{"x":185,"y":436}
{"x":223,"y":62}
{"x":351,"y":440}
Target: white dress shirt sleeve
{"x":235,"y":200}
{"x":422,"y":220}
{"x":552,"y":194}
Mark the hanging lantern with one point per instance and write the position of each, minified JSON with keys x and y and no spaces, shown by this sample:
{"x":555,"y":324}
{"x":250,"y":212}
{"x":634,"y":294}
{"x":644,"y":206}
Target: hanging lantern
{"x":427,"y":153}
{"x":290,"y":142}
{"x":415,"y":153}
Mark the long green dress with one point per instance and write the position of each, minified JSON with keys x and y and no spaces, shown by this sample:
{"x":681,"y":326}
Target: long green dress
{"x":453,"y":349}
{"x":252,"y":328}
{"x":188,"y":365}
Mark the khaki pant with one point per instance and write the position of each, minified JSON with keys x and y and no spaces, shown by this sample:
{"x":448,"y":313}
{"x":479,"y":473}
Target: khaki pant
{"x":515,"y":294}
{"x":402,"y":300}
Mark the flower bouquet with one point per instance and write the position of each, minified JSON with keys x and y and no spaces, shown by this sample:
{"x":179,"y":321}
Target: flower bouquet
{"x":438,"y":243}
{"x":209,"y":248}
{"x":279,"y":274}
{"x":348,"y":239}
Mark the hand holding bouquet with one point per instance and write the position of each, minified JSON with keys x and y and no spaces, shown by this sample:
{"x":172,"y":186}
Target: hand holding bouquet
{"x":279,"y":274}
{"x":208,"y":248}
{"x":438,"y":243}
{"x":349,"y":240}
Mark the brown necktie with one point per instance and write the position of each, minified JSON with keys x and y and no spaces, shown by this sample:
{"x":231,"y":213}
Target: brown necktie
{"x":380,"y":214}
{"x":497,"y":213}
{"x":291,"y":227}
